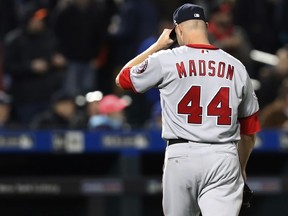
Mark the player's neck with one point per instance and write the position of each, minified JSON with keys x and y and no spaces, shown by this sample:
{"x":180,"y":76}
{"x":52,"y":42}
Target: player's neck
{"x":197,"y":39}
{"x":205,"y":42}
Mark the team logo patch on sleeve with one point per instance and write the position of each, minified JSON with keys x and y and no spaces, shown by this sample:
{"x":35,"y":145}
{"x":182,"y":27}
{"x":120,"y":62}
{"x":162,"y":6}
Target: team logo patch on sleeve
{"x":142,"y":67}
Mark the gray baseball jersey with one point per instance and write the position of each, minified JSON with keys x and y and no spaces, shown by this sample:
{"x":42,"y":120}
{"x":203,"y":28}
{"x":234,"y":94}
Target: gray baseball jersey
{"x":206,"y":97}
{"x":203,"y":90}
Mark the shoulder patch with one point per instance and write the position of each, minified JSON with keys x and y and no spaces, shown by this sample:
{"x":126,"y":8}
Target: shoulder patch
{"x":142,"y":67}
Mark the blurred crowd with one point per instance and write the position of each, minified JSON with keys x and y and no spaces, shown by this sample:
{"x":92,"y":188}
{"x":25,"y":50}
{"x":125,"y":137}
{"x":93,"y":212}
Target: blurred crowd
{"x":59,"y":59}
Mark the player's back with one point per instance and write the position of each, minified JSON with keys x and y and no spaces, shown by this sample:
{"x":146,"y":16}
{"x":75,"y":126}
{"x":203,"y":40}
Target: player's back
{"x":200,"y":94}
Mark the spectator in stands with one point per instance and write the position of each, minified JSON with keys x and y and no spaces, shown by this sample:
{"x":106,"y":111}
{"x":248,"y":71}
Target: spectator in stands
{"x":109,"y":114}
{"x":78,"y":25}
{"x":34,"y":64}
{"x":93,"y":99}
{"x":275,"y":114}
{"x":271,"y":77}
{"x":63,"y":114}
{"x":260,"y":23}
{"x":224,"y":34}
{"x":6,"y":122}
{"x":135,"y":21}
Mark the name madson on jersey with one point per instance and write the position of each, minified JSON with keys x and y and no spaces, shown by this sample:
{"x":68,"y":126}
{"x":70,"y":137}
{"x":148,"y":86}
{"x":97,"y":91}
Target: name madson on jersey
{"x":205,"y":68}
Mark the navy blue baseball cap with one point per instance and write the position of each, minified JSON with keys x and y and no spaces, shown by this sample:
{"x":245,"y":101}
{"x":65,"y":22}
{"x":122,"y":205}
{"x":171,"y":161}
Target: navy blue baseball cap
{"x":187,"y":12}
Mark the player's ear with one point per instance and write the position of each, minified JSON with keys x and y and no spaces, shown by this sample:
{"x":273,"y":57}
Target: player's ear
{"x":179,"y":30}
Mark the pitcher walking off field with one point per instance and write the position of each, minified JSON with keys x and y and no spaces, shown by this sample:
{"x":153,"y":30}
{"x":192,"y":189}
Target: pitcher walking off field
{"x":209,"y":112}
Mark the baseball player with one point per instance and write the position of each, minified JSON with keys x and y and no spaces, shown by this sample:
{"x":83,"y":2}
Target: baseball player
{"x":209,"y":113}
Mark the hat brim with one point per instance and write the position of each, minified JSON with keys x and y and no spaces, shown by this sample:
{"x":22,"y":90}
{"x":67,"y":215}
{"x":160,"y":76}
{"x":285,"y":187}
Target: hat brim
{"x":172,"y":34}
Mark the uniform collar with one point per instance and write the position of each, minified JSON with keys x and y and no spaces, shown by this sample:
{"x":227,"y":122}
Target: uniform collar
{"x":202,"y":46}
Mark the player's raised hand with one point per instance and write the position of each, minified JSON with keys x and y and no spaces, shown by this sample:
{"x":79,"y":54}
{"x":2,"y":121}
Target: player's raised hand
{"x":164,"y":41}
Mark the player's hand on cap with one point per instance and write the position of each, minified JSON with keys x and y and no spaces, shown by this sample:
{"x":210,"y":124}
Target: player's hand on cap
{"x":164,"y":41}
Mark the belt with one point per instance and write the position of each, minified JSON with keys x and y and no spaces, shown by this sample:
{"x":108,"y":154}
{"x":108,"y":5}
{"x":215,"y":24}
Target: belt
{"x":176,"y":141}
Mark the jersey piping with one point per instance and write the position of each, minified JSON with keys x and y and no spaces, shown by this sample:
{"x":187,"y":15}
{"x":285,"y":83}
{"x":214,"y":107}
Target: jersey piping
{"x":202,"y":46}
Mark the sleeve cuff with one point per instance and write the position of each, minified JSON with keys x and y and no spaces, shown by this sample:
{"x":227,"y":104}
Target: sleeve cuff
{"x":125,"y":80}
{"x":250,"y":124}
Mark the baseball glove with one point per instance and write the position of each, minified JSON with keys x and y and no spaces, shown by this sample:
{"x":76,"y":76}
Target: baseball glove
{"x":247,"y":196}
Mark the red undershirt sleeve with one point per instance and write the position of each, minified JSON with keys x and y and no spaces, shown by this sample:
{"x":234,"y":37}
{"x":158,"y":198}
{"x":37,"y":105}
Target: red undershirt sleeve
{"x":250,"y":124}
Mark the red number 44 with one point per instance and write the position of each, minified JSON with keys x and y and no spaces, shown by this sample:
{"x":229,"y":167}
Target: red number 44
{"x":218,"y":106}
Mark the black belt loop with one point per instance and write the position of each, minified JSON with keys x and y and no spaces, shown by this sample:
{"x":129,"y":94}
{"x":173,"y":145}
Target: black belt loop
{"x":175,"y":141}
